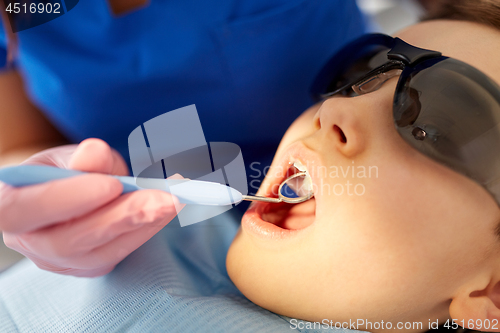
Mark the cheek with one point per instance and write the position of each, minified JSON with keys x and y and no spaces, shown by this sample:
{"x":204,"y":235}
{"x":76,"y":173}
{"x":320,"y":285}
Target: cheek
{"x":417,"y":222}
{"x":417,"y":231}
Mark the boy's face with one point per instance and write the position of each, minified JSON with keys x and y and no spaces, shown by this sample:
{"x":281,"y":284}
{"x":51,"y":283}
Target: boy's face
{"x":391,"y":234}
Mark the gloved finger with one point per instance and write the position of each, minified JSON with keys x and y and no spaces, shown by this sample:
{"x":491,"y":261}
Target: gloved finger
{"x":98,"y":260}
{"x":95,"y":155}
{"x":42,"y":264}
{"x":64,"y":241}
{"x":15,"y":242}
{"x":91,"y":155}
{"x":57,"y":156}
{"x":119,"y":168}
{"x":115,"y":251}
{"x":95,"y":272}
{"x":32,"y":207}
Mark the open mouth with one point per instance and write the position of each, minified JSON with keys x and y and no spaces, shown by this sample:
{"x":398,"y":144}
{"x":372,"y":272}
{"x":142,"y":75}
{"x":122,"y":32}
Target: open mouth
{"x":285,"y":215}
{"x":290,"y":216}
{"x":273,"y":221}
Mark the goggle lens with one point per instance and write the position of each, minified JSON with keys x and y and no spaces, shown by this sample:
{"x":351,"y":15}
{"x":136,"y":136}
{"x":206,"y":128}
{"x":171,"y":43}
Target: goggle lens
{"x":450,"y":112}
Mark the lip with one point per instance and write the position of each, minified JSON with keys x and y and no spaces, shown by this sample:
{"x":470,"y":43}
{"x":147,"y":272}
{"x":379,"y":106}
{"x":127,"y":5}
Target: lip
{"x":252,"y":221}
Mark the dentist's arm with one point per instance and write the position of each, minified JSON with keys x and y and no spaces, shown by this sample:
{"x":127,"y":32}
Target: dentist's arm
{"x":23,"y":128}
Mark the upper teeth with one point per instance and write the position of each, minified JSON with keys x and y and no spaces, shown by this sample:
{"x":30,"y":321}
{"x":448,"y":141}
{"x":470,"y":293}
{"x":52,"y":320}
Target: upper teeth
{"x":299,"y":166}
{"x":307,"y":184}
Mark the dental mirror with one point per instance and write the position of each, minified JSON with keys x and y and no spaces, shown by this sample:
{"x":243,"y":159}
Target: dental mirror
{"x":295,"y":189}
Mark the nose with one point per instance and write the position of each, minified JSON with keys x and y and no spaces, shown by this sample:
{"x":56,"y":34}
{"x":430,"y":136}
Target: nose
{"x":351,"y":124}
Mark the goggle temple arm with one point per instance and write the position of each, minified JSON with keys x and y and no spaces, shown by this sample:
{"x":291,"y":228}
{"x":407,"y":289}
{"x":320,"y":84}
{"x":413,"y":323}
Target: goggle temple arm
{"x":401,"y":54}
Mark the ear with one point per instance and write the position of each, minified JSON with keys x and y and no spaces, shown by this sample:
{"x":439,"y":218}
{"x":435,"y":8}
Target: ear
{"x":477,"y":305}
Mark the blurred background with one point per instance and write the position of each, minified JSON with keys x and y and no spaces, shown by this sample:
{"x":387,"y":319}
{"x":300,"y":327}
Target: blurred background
{"x":387,"y":16}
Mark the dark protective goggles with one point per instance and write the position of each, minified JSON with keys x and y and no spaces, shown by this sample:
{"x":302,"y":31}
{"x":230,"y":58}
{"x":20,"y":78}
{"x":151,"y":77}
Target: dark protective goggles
{"x":444,"y":108}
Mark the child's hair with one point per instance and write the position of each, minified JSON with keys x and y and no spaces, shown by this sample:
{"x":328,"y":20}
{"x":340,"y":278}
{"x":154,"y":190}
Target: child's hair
{"x":479,"y":11}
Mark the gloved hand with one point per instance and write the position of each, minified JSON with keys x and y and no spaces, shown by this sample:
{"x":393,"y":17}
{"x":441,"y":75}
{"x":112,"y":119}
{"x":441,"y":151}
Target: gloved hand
{"x":81,"y":226}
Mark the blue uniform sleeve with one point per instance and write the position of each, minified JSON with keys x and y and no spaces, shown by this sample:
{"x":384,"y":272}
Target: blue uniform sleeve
{"x":3,"y":45}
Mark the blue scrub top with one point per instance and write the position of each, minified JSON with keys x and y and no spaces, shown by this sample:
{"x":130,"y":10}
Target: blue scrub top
{"x":246,"y":64}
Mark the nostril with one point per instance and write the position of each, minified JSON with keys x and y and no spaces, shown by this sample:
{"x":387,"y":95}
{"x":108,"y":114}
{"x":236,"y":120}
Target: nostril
{"x":317,"y":123}
{"x":341,"y":134}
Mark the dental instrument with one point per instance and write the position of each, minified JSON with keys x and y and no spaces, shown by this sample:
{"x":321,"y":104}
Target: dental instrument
{"x":294,"y":189}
